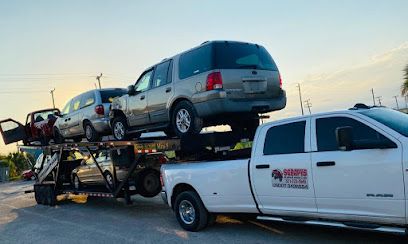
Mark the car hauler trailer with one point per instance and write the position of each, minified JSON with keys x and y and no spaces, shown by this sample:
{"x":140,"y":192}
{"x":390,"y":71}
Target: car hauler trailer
{"x":55,"y":174}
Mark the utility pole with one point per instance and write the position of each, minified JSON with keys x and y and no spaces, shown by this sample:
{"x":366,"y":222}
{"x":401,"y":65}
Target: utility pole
{"x":52,"y":96}
{"x":308,"y":104}
{"x":372,"y":92}
{"x":396,"y":101}
{"x":379,"y":98}
{"x":300,"y":98}
{"x":98,"y":77}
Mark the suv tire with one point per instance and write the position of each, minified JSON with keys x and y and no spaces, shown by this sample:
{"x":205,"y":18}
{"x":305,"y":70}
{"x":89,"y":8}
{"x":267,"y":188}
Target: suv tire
{"x":185,"y":120}
{"x":190,"y":211}
{"x":91,"y":134}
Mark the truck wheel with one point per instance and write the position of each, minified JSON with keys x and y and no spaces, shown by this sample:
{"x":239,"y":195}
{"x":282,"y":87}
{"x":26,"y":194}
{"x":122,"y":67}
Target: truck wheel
{"x":190,"y":211}
{"x":90,"y":133}
{"x":58,"y":138}
{"x":185,"y":120}
{"x":119,"y":129}
{"x":148,"y":183}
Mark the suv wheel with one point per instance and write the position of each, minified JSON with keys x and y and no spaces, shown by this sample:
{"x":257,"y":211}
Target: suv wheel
{"x":190,"y":211}
{"x":185,"y":120}
{"x":119,"y":129}
{"x":90,"y":133}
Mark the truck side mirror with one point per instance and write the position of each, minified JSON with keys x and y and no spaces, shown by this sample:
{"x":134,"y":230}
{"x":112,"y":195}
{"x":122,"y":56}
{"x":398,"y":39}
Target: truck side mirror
{"x":131,"y":90}
{"x":344,"y":137}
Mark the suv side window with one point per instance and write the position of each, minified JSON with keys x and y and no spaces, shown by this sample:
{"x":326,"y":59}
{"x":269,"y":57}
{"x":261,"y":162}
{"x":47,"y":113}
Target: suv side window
{"x":285,"y":139}
{"x":143,"y":83}
{"x":161,"y":77}
{"x":76,"y":103}
{"x":326,"y":132}
{"x":195,"y":62}
{"x":87,"y":99}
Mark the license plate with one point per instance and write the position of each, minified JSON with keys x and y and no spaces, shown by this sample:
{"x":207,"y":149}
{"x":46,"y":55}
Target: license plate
{"x":254,"y":86}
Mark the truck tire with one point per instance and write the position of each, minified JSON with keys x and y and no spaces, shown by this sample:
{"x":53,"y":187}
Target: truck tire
{"x":119,"y":129}
{"x":184,"y":120}
{"x":190,"y":211}
{"x":148,"y":183}
{"x":90,"y":133}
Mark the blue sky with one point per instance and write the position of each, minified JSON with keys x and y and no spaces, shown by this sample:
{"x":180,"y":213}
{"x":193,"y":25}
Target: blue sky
{"x":64,"y":44}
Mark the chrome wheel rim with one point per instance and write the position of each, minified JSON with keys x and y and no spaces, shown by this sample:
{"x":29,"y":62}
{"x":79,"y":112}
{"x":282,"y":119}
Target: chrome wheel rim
{"x":119,"y":130}
{"x":183,"y":120}
{"x":187,"y":212}
{"x":88,"y":132}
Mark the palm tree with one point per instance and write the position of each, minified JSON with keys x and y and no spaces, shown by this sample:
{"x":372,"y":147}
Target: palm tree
{"x":404,"y":87}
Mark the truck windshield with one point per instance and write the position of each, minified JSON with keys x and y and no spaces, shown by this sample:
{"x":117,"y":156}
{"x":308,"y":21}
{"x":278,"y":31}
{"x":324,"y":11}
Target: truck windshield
{"x":230,"y":55}
{"x":393,"y":119}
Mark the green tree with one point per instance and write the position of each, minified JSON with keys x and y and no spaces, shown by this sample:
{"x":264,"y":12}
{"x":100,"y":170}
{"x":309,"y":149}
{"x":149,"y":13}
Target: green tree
{"x":404,"y":87}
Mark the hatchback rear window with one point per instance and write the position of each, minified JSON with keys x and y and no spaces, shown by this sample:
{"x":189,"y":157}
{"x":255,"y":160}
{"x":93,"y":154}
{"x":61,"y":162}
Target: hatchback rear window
{"x":107,"y":96}
{"x":230,"y":55}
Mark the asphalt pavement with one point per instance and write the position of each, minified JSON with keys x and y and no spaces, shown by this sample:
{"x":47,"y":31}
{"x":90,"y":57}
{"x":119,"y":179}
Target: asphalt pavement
{"x":98,"y":220}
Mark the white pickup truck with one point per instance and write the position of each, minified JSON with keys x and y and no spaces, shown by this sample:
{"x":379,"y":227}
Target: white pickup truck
{"x":346,"y":169}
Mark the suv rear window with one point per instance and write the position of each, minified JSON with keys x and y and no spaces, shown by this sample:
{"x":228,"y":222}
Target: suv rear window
{"x":230,"y":55}
{"x":107,"y":96}
{"x":195,"y":62}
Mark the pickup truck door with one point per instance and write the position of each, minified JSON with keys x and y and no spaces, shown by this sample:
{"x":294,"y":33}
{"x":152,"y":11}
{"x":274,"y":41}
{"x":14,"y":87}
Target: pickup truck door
{"x":365,"y":183}
{"x":12,"y":131}
{"x":280,"y":169}
{"x":137,"y":104}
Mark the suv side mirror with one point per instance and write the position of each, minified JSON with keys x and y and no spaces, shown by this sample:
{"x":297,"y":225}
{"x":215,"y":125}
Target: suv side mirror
{"x":131,"y":90}
{"x":344,"y":137}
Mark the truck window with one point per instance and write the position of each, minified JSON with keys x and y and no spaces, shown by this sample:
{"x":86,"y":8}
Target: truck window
{"x":326,"y":132}
{"x":285,"y":139}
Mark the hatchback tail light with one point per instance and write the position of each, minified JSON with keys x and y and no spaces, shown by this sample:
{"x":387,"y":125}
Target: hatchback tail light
{"x":100,"y":110}
{"x":163,"y":159}
{"x":214,"y":81}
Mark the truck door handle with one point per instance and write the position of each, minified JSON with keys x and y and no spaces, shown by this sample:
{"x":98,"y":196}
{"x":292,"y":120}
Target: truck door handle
{"x":168,"y":89}
{"x":142,"y":97}
{"x":325,"y":163}
{"x":262,"y":166}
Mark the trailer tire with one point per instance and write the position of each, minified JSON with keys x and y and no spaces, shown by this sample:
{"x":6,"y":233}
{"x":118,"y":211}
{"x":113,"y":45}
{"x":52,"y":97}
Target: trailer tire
{"x":190,"y":211}
{"x":148,"y":183}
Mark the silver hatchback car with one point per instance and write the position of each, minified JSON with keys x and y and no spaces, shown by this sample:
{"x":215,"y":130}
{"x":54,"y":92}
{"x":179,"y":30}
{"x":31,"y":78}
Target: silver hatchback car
{"x":86,"y":115}
{"x":218,"y":82}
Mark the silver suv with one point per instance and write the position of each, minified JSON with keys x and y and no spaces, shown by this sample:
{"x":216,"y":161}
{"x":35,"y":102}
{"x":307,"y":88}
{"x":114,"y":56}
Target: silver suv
{"x":86,"y":115}
{"x":218,"y":82}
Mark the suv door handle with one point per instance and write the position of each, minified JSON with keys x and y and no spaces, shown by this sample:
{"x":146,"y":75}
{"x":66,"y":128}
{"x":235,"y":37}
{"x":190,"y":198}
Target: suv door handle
{"x":325,"y":163}
{"x":168,"y":89}
{"x":142,"y":97}
{"x":262,"y":166}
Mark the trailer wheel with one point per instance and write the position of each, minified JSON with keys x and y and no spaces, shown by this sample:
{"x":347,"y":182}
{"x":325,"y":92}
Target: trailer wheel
{"x":190,"y":211}
{"x":148,"y":183}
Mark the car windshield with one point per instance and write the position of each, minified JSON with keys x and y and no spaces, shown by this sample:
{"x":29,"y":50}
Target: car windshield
{"x":108,"y":96}
{"x":391,"y":118}
{"x":242,"y":56}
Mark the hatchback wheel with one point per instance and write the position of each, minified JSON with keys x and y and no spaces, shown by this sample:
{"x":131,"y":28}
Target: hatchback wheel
{"x":90,"y":133}
{"x":185,"y":120}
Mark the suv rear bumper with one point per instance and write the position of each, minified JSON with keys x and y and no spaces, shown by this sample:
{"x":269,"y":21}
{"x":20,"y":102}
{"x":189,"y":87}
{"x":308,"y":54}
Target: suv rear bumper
{"x":218,"y":103}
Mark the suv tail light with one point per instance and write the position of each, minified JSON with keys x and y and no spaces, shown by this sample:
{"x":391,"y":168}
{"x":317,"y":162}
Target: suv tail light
{"x":100,"y":110}
{"x":214,"y":81}
{"x":280,"y":81}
